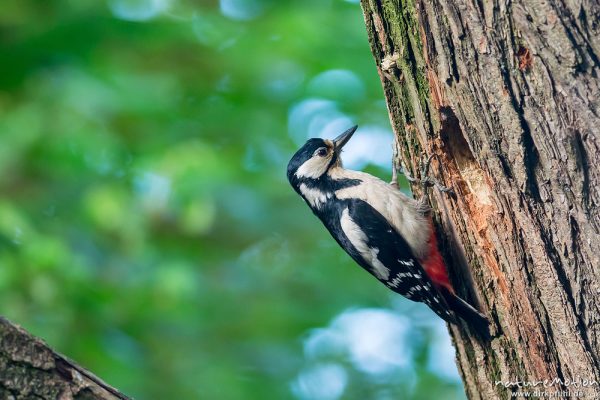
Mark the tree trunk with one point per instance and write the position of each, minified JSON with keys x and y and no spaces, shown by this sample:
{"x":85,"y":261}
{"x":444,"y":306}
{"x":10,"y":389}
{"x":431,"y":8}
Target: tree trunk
{"x":29,"y":369}
{"x":507,"y":96}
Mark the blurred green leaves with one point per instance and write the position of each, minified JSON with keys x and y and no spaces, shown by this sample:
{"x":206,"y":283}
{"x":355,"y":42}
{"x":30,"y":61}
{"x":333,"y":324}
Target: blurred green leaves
{"x":146,"y":226}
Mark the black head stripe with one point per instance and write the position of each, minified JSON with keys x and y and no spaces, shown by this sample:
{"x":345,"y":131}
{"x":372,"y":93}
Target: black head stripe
{"x":303,"y":154}
{"x":333,"y":160}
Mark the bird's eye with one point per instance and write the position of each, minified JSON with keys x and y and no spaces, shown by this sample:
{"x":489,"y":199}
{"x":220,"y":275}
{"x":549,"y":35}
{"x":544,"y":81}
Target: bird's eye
{"x":322,"y":152}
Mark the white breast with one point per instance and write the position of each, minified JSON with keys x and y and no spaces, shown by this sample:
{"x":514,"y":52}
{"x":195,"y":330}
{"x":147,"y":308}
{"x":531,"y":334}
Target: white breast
{"x":405,"y":214}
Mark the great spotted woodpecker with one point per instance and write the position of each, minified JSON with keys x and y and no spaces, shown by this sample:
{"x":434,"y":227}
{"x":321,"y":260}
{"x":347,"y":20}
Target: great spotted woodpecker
{"x":386,"y":232}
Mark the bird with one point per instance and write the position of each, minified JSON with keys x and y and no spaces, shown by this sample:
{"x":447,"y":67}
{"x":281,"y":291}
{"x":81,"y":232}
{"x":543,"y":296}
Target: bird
{"x":388,"y":233}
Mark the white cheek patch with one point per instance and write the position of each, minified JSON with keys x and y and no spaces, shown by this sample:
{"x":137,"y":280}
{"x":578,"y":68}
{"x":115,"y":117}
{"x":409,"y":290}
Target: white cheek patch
{"x":315,"y":197}
{"x":359,"y":240}
{"x":313,"y":167}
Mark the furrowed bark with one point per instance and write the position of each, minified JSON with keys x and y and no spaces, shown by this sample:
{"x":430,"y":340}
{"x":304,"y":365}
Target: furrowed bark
{"x":29,"y":369}
{"x":507,"y":95}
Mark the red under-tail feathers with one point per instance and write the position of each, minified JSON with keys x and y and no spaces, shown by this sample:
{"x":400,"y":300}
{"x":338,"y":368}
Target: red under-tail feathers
{"x":436,"y":270}
{"x":434,"y":265}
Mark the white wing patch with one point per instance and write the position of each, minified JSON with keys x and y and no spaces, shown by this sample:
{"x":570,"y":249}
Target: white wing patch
{"x":314,"y":196}
{"x":402,"y":212}
{"x":359,"y":240}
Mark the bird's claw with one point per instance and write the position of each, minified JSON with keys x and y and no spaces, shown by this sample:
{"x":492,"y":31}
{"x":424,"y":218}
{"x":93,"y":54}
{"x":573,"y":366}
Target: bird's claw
{"x":426,"y":180}
{"x":395,"y":166}
{"x":398,"y":168}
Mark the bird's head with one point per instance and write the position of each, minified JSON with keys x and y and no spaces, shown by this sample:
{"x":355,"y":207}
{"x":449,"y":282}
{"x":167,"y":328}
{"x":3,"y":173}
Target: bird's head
{"x":312,"y":161}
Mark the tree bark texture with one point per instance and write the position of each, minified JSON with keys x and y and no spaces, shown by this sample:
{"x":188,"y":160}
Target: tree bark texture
{"x":507,"y":95}
{"x":29,"y":369}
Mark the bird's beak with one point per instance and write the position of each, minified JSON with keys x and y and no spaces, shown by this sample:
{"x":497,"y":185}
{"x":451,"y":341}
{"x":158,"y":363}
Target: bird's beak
{"x":341,"y":140}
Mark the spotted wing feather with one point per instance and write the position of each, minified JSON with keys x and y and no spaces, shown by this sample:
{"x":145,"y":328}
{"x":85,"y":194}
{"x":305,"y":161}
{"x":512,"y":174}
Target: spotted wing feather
{"x":406,"y":276}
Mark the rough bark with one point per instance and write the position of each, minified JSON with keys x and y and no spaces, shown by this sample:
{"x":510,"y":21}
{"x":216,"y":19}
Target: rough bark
{"x":507,"y":95}
{"x":29,"y":369}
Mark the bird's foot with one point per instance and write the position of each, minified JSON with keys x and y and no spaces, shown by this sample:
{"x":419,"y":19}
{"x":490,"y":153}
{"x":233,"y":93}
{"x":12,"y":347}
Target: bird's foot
{"x":428,"y":181}
{"x":398,"y":168}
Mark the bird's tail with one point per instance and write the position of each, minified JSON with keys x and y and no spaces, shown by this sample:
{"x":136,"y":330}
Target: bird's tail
{"x":466,"y":312}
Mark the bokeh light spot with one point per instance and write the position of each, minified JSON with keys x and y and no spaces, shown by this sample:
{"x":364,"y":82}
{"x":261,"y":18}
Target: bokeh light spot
{"x":137,"y":10}
{"x":322,"y":382}
{"x":337,"y":84}
{"x":241,"y":9}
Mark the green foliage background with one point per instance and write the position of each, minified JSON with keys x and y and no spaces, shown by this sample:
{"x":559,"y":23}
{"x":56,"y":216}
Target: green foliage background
{"x":146,"y":226}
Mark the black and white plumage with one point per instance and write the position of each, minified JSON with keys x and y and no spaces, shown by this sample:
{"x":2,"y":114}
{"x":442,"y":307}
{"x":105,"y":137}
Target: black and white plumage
{"x":383,"y":230}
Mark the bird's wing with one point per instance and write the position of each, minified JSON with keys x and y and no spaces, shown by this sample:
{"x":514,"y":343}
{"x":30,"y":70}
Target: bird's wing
{"x":388,"y":256}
